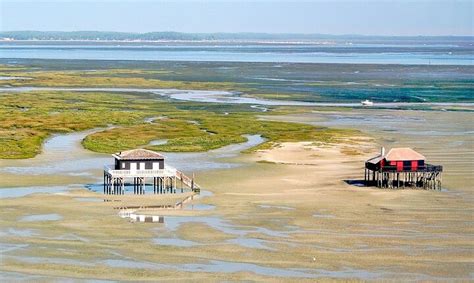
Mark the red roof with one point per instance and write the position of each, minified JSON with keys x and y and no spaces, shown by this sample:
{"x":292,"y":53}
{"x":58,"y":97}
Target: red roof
{"x":138,"y":154}
{"x":398,"y":154}
{"x":403,"y":154}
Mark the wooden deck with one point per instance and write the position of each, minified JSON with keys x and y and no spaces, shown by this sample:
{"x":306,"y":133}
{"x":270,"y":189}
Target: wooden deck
{"x":391,"y":177}
{"x":165,"y":181}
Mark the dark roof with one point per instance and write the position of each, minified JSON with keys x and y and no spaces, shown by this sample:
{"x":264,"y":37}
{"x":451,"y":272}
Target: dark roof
{"x":138,"y":154}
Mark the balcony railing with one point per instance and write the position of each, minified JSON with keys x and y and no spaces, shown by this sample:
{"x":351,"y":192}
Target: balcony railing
{"x":168,"y":171}
{"x":424,"y":168}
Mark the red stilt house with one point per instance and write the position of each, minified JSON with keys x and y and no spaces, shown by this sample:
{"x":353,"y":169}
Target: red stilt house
{"x":402,"y":167}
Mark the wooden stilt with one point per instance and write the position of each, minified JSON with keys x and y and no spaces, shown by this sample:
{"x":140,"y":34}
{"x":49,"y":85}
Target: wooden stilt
{"x":113,"y":186}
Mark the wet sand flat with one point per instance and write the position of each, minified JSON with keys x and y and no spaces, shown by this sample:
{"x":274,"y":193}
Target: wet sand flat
{"x":282,"y":214}
{"x":444,"y":137}
{"x":281,"y":222}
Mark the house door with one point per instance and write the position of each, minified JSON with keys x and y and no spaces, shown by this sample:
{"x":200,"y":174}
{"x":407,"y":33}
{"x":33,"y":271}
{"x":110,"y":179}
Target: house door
{"x":142,"y":166}
{"x":133,"y":167}
{"x":156,"y":166}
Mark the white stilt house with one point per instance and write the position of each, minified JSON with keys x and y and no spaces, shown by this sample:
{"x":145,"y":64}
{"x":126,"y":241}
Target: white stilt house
{"x":139,"y":166}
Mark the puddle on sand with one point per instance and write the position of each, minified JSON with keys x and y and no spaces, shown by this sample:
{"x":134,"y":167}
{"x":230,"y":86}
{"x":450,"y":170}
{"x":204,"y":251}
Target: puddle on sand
{"x":244,"y":242}
{"x":250,"y":243}
{"x":7,"y":276}
{"x":231,"y":267}
{"x":204,"y":194}
{"x":125,"y":263}
{"x":219,"y":266}
{"x":2,"y":78}
{"x":276,"y":207}
{"x":216,"y":266}
{"x":41,"y":217}
{"x":322,"y":215}
{"x":59,"y":261}
{"x":176,"y":242}
{"x":173,"y":222}
{"x":24,"y":191}
{"x":129,"y":189}
{"x":199,"y":206}
{"x":89,"y":199}
{"x":5,"y":248}
{"x":18,"y":232}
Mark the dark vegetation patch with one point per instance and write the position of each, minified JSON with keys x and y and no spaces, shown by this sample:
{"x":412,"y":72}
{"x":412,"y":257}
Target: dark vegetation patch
{"x":22,"y":132}
{"x":287,"y":81}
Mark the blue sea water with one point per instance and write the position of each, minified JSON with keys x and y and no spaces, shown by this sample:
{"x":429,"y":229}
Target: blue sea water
{"x":277,"y":53}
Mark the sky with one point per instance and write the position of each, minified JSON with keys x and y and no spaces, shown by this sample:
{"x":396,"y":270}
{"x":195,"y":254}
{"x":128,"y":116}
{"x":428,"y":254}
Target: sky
{"x":369,"y":17}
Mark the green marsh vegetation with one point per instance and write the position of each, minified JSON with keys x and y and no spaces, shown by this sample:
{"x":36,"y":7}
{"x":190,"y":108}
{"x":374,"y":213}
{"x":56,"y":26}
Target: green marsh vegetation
{"x":110,"y":78}
{"x":28,"y":118}
{"x":286,"y":81}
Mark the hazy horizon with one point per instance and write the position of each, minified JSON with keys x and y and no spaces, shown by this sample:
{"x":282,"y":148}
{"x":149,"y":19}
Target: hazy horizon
{"x":237,"y":33}
{"x":349,"y":17}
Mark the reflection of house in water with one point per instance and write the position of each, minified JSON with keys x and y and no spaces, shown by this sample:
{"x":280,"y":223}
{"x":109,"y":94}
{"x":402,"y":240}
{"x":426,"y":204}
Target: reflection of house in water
{"x":402,"y":167}
{"x":141,"y":167}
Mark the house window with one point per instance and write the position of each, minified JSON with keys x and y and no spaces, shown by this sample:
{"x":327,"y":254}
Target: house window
{"x":123,"y":165}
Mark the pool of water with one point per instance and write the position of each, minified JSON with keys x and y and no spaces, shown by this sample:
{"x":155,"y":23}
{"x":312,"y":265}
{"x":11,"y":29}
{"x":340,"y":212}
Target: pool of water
{"x":89,"y":199}
{"x":24,"y":191}
{"x":176,"y":242}
{"x":252,"y":243}
{"x":322,"y":215}
{"x":6,"y":248}
{"x":172,"y":223}
{"x":157,"y":142}
{"x":276,"y":207}
{"x":211,"y":266}
{"x":199,"y":206}
{"x":17,"y":232}
{"x":41,"y":217}
{"x":2,"y":78}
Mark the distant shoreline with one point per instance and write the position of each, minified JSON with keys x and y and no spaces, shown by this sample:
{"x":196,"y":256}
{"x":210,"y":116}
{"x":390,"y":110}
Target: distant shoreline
{"x":102,"y":36}
{"x":168,"y":41}
{"x":244,"y":42}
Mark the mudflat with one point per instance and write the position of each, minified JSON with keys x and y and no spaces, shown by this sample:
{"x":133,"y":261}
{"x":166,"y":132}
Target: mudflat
{"x":281,"y":197}
{"x":285,"y":213}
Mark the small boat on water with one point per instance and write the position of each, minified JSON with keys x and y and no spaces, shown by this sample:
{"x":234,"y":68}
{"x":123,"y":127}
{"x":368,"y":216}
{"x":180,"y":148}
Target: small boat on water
{"x":367,"y":103}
